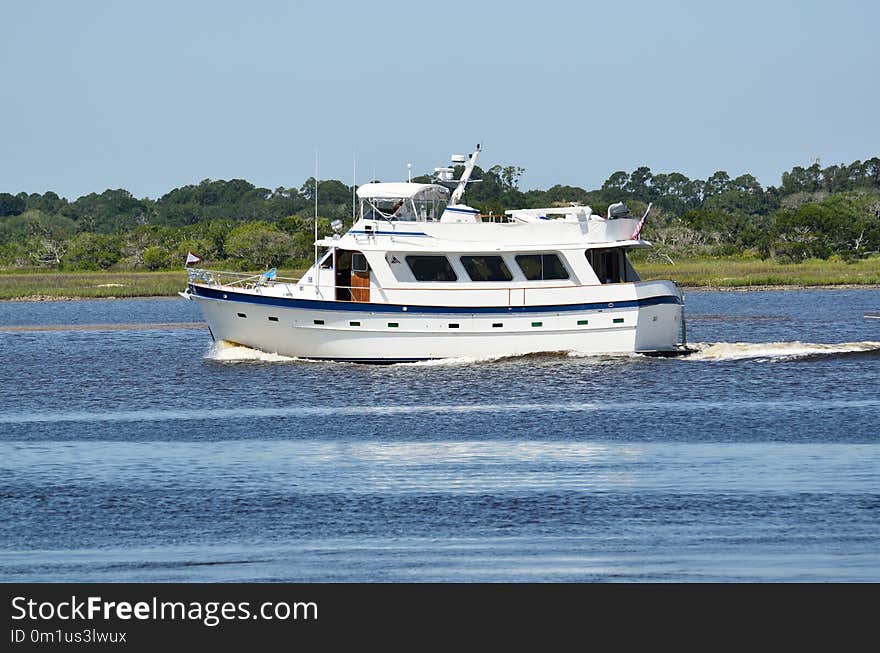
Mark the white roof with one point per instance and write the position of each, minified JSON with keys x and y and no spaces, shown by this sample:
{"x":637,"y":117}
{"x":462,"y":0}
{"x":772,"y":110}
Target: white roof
{"x":398,"y":189}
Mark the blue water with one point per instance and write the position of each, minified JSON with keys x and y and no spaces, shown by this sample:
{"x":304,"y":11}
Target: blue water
{"x":149,"y":455}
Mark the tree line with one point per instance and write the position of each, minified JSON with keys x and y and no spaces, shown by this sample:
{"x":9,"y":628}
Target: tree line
{"x":814,"y":213}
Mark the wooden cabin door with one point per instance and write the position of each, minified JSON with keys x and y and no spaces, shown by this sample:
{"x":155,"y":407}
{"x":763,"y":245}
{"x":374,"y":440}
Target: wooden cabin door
{"x":360,"y":278}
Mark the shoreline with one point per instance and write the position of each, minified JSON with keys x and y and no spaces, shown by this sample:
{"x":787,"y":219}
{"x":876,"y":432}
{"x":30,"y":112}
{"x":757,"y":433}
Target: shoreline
{"x":688,"y":288}
{"x":771,"y":287}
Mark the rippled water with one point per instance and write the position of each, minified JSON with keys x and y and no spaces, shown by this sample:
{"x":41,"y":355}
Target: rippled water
{"x":147,"y":453}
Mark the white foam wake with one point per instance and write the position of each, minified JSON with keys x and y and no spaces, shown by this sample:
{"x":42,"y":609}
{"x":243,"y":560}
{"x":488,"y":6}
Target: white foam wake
{"x":228,"y":352}
{"x":706,"y":351}
{"x":722,"y":351}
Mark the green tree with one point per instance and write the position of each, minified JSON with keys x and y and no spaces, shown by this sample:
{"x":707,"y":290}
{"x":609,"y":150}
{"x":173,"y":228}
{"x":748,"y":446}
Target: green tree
{"x":11,"y":205}
{"x":88,"y":251}
{"x":155,"y":257}
{"x":616,"y":182}
{"x":639,"y":183}
{"x":259,"y":244}
{"x":509,"y":176}
{"x":718,"y":183}
{"x":113,"y":211}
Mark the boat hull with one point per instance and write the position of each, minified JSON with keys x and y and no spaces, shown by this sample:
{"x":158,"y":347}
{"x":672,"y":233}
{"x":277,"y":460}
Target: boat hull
{"x":385,"y":333}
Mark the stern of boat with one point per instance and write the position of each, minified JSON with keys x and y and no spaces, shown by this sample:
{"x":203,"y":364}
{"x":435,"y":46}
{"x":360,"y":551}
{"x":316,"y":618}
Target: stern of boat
{"x":661,"y":322}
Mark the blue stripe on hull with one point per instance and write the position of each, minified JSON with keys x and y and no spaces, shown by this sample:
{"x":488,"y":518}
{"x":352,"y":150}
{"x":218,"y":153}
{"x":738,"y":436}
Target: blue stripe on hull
{"x":409,"y":309}
{"x":363,"y":232}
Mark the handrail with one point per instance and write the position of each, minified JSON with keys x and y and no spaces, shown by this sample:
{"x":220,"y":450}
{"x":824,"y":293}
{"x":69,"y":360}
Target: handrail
{"x":256,"y":282}
{"x":243,"y":279}
{"x":250,"y":280}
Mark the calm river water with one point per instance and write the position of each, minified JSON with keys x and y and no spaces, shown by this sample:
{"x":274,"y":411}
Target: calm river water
{"x":147,"y":454}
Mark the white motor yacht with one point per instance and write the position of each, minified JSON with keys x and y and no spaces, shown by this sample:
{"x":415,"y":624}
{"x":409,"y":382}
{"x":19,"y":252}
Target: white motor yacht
{"x":420,"y":275}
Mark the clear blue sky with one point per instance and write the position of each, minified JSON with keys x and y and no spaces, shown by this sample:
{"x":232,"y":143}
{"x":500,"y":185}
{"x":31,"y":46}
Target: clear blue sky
{"x":149,"y":96}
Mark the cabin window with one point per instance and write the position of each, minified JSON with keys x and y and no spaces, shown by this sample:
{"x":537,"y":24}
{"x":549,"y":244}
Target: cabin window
{"x":608,"y":264}
{"x":541,"y":267}
{"x":431,"y":268}
{"x":359,"y":263}
{"x":390,"y":208}
{"x":429,"y":210}
{"x":486,"y":268}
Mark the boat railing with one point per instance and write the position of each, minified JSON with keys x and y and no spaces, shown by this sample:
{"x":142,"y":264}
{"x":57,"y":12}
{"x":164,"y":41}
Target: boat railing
{"x":517,"y":295}
{"x":226,"y":278}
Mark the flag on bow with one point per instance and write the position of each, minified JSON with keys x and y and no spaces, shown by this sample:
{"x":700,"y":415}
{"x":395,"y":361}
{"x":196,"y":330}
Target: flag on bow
{"x":192,"y":258}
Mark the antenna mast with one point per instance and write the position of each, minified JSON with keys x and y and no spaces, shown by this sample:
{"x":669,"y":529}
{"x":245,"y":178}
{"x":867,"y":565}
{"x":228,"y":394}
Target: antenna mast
{"x":465,"y":176}
{"x":317,"y":269}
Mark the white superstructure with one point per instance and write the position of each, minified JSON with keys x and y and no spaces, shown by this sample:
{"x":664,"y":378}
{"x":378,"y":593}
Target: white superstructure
{"x":422,"y":276}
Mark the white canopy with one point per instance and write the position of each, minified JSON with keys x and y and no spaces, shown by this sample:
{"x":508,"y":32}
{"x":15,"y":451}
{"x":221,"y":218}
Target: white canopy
{"x":400,"y":190}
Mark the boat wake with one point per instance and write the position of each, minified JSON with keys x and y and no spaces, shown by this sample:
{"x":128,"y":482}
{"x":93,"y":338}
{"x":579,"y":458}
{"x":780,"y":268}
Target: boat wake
{"x":767,"y":351}
{"x":705,"y":351}
{"x":229,"y":352}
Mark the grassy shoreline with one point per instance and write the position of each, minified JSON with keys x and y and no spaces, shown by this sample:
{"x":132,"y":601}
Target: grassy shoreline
{"x":739,"y":273}
{"x":705,"y":273}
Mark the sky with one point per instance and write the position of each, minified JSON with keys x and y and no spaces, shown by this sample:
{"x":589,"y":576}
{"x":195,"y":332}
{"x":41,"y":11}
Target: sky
{"x":150,"y":96}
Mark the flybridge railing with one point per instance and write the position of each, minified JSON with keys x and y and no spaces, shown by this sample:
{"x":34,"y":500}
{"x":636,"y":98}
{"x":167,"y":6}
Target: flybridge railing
{"x":236,"y":279}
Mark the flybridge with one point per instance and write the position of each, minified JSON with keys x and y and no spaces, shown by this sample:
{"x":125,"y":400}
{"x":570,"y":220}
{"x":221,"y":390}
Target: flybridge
{"x":410,"y":202}
{"x":415,"y":202}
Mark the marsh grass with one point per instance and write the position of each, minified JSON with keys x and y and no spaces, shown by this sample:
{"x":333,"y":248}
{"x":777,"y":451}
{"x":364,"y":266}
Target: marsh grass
{"x":744,"y":273}
{"x":96,"y":285}
{"x":696,"y":272}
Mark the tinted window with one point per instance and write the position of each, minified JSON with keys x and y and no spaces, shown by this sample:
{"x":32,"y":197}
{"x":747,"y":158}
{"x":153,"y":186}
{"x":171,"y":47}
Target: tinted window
{"x":431,"y":268}
{"x":530,"y":264}
{"x":539,"y":267}
{"x":486,"y":268}
{"x":359,"y":262}
{"x":608,"y":264}
{"x":553,"y":267}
